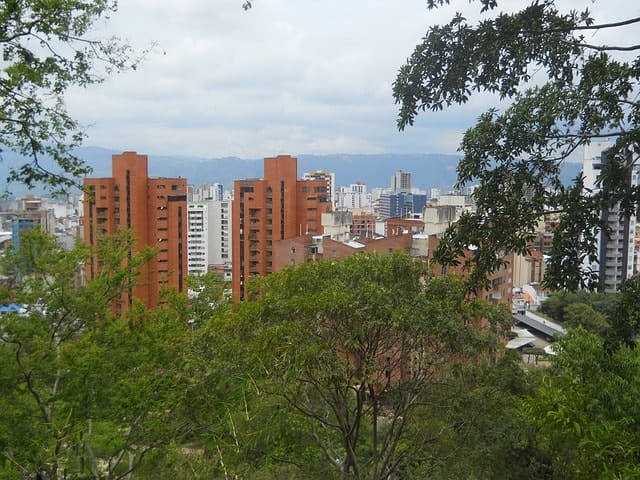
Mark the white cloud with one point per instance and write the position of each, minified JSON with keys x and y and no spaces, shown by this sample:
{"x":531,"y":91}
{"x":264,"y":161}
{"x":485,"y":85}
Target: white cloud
{"x":285,"y":77}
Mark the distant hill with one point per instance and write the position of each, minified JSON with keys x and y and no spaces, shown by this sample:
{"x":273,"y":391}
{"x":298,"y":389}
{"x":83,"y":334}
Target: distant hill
{"x":428,"y":170}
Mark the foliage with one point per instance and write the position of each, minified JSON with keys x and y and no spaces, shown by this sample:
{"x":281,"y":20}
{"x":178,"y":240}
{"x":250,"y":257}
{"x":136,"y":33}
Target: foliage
{"x":489,"y":434}
{"x":47,"y":47}
{"x":586,"y":410}
{"x":556,"y":304}
{"x":337,"y":359}
{"x":625,"y":321}
{"x":83,"y":394}
{"x":579,"y":314}
{"x":564,"y":91}
{"x":613,"y":317}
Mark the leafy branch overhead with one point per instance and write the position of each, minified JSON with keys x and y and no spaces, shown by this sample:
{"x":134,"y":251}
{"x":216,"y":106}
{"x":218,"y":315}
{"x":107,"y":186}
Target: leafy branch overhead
{"x":48,"y":47}
{"x":564,"y":89}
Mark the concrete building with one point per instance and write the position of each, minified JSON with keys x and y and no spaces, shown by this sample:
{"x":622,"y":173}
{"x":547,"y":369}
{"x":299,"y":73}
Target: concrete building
{"x":616,"y":244}
{"x":354,"y":196}
{"x":154,"y":209}
{"x":401,"y":182}
{"x":197,"y":241}
{"x":276,"y":207}
{"x":31,"y":213}
{"x":338,"y":224}
{"x":220,"y":238}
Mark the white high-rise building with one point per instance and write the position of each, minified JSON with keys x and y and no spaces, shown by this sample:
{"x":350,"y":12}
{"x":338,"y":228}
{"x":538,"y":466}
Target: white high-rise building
{"x":197,"y":243}
{"x":615,"y":246}
{"x":220,"y":236}
{"x":353,"y":196}
{"x":209,"y":237}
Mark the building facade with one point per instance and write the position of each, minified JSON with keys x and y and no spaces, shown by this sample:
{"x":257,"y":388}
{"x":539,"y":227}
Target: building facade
{"x":154,"y":209}
{"x":276,"y":207}
{"x":197,"y":241}
{"x":615,"y":244}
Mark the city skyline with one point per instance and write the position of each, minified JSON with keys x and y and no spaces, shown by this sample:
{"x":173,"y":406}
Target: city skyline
{"x":284,"y":77}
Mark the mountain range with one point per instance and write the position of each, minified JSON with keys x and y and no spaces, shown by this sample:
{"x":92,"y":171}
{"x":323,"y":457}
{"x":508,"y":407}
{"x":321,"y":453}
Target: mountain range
{"x":375,"y":170}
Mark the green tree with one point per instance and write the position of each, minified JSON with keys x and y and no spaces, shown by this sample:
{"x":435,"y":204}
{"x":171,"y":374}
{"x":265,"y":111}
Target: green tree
{"x":488,"y":432}
{"x":341,"y":358}
{"x":579,"y":314}
{"x":625,"y":320}
{"x":83,"y":394}
{"x":564,"y":90}
{"x":47,"y":47}
{"x":586,"y":410}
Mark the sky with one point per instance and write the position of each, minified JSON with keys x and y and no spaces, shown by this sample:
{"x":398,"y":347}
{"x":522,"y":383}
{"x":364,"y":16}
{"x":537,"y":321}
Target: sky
{"x":286,"y":77}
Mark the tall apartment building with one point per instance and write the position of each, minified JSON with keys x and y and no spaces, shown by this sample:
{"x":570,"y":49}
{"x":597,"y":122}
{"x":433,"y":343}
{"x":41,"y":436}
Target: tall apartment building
{"x":209,"y":237}
{"x":220,"y":241}
{"x":276,"y":207}
{"x":401,"y":181}
{"x":197,"y":238}
{"x":353,"y":196}
{"x":154,"y":209}
{"x":616,"y":245}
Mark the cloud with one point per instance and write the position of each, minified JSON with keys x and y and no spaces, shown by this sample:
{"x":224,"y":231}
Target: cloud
{"x":286,"y":76}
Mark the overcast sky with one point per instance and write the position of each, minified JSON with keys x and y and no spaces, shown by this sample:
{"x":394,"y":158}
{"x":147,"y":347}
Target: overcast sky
{"x":287,"y":76}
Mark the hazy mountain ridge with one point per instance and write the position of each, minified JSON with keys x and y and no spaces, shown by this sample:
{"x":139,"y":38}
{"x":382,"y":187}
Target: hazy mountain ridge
{"x":374,"y":170}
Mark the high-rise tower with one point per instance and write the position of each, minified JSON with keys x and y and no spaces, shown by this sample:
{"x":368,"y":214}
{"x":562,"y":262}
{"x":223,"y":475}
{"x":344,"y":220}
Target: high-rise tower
{"x":277,"y":207}
{"x":154,"y":209}
{"x":616,"y":243}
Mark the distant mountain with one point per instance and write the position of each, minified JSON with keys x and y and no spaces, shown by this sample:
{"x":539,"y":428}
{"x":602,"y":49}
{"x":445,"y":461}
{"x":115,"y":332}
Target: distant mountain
{"x":428,"y":170}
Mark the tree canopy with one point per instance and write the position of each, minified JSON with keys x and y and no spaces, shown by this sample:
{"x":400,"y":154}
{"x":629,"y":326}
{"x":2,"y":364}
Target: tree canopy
{"x":83,"y":394}
{"x":564,"y":90}
{"x":46,"y":48}
{"x":338,"y":368}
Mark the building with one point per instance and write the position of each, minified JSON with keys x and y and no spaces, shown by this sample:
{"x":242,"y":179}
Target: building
{"x":401,"y":182}
{"x":311,"y":248}
{"x":31,"y":213}
{"x":197,"y":241}
{"x":154,"y":209}
{"x":214,"y":191}
{"x":364,"y":225}
{"x":327,"y":177}
{"x":276,"y":207}
{"x":615,"y":244}
{"x":401,"y":204}
{"x":353,"y":197}
{"x":219,"y":237}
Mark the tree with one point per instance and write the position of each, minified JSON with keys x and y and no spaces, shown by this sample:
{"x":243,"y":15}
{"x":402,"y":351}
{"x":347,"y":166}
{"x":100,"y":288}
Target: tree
{"x":580,"y":314}
{"x":586,"y":410}
{"x":352,"y":354}
{"x":46,"y":48}
{"x":83,"y":394}
{"x":564,"y":91}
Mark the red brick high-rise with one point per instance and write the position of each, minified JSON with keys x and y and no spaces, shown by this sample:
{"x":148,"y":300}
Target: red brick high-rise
{"x":277,"y":207}
{"x":154,"y":209}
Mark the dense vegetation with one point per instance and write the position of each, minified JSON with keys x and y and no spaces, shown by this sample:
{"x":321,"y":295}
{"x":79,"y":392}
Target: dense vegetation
{"x":367,"y":368}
